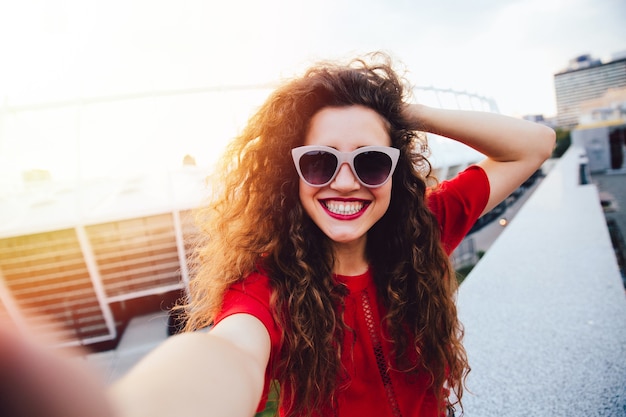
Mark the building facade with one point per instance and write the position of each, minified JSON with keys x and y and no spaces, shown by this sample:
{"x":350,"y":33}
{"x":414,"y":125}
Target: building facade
{"x":585,"y":79}
{"x":601,"y":131}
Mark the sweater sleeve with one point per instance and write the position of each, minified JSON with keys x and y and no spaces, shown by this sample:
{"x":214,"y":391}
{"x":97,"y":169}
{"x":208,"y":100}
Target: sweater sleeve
{"x":458,"y":203}
{"x":252,"y":296}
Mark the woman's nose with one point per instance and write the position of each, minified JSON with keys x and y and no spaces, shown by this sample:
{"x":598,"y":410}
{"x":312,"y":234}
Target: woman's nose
{"x":345,"y":179}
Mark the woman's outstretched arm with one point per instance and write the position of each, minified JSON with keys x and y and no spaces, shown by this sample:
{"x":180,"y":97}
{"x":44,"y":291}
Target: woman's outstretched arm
{"x":514,"y":148}
{"x":219,"y":373}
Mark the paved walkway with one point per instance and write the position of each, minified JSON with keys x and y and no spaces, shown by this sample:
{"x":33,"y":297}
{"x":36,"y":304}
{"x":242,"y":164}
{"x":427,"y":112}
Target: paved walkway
{"x":142,"y":334}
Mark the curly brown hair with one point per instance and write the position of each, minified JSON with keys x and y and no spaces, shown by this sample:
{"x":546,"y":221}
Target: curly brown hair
{"x":255,"y":219}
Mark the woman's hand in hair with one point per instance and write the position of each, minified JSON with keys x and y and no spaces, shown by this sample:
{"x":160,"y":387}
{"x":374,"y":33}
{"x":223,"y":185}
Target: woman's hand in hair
{"x":514,"y":148}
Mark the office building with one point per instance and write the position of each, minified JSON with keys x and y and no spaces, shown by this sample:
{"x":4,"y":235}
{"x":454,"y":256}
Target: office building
{"x":585,"y":79}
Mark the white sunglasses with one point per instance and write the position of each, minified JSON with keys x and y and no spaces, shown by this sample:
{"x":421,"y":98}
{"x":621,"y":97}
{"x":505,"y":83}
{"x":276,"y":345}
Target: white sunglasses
{"x":371,"y":165}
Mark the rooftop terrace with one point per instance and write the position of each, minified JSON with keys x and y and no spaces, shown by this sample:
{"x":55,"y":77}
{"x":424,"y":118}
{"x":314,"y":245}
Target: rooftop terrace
{"x":544,"y":310}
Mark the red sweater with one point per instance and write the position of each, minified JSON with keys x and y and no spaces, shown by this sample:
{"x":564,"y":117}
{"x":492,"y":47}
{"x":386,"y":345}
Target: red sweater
{"x":371,"y":392}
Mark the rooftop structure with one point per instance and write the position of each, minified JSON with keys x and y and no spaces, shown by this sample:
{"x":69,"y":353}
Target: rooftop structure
{"x":75,"y":253}
{"x":602,"y":130}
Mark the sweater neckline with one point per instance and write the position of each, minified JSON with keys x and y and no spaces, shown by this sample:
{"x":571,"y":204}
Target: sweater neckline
{"x":355,"y":283}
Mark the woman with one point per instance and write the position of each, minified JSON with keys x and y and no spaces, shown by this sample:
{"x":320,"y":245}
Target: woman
{"x":325,"y":266}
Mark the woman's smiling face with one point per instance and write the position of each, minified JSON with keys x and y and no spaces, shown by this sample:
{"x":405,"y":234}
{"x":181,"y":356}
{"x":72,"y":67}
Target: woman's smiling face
{"x":344,"y":209}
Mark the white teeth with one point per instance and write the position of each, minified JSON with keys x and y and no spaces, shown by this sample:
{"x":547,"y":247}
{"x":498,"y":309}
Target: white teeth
{"x":344,"y":208}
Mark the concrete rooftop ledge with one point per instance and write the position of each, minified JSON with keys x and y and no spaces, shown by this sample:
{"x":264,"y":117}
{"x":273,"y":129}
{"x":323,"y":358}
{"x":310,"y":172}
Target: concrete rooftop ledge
{"x":545,"y":309}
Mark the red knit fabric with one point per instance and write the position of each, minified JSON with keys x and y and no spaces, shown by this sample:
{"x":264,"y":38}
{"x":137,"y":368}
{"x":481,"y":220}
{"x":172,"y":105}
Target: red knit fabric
{"x":457,"y":204}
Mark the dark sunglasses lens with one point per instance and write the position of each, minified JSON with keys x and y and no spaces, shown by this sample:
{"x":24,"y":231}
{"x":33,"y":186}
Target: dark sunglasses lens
{"x":318,"y":167}
{"x":373,"y":168}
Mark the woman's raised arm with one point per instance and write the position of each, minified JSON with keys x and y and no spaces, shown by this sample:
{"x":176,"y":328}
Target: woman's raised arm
{"x":514,"y":148}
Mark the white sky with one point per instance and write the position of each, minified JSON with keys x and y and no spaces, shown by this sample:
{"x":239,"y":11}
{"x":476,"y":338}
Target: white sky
{"x":53,"y":50}
{"x":506,"y":49}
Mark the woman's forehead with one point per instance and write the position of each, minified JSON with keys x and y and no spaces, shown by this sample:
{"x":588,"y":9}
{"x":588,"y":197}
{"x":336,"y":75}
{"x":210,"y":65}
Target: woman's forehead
{"x":348,"y":127}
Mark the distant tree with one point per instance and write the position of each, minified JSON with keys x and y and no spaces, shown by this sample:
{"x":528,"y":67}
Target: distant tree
{"x":563,"y":141}
{"x":271,"y":407}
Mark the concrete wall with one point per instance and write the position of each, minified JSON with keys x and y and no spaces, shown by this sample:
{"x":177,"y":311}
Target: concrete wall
{"x":545,"y":309}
